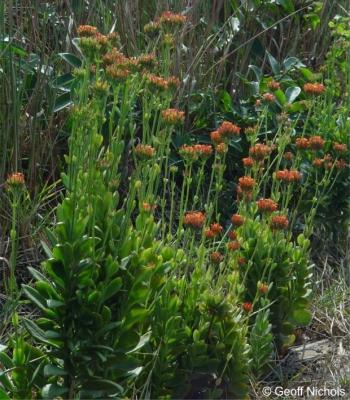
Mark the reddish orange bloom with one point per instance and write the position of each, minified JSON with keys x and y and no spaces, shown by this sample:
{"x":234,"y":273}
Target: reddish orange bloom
{"x":237,"y":220}
{"x":316,"y":142}
{"x":263,"y":287}
{"x":340,"y":147}
{"x":209,"y":234}
{"x":314,"y":88}
{"x":302,"y":143}
{"x":233,"y":245}
{"x":317,"y":162}
{"x":216,"y":257}
{"x":117,"y":73}
{"x":247,"y":307}
{"x":248,"y":162}
{"x":196,"y":151}
{"x":144,"y":151}
{"x":148,"y":207}
{"x":267,"y":205}
{"x":156,"y":82}
{"x":232,"y":235}
{"x":269,"y":97}
{"x":194,"y":219}
{"x":288,"y":155}
{"x":228,"y":129}
{"x":87,"y":31}
{"x":288,"y":175}
{"x":340,"y":164}
{"x":147,"y":60}
{"x":172,"y":116}
{"x":259,"y":151}
{"x":279,"y":222}
{"x":15,"y":179}
{"x":215,"y":137}
{"x":246,"y":183}
{"x":274,"y":85}
{"x":173,"y":82}
{"x":241,"y":261}
{"x":171,"y":19}
{"x":114,"y":56}
{"x":216,"y":228}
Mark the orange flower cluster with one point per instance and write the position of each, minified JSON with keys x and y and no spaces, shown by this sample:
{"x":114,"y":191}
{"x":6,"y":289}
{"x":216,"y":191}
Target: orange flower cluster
{"x":233,"y":245}
{"x":221,"y":148}
{"x":87,"y":31}
{"x":214,"y":230}
{"x":302,"y":143}
{"x":267,"y":205}
{"x":314,"y":88}
{"x":340,"y":164}
{"x":157,"y":82}
{"x":148,"y":207}
{"x":194,"y":219}
{"x":246,"y":183}
{"x":227,"y":129}
{"x":173,"y":116}
{"x":316,"y":143}
{"x":216,"y":257}
{"x":274,"y":85}
{"x":259,"y":151}
{"x":169,"y":18}
{"x":288,"y":175}
{"x":196,"y":151}
{"x":247,"y":306}
{"x":117,"y":73}
{"x":248,"y":162}
{"x":15,"y":179}
{"x":318,"y":162}
{"x":340,"y":147}
{"x":269,"y":97}
{"x":215,"y":137}
{"x":263,"y":287}
{"x":279,"y":222}
{"x":237,"y":220}
{"x":232,"y":235}
{"x":144,"y":151}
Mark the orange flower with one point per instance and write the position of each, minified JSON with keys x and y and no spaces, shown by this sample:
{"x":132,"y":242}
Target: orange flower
{"x":232,"y":235}
{"x":117,"y":73}
{"x":263,"y":287}
{"x":156,"y":82}
{"x":169,"y":18}
{"x":194,"y":219}
{"x":274,"y":85}
{"x":192,"y":153}
{"x":316,"y":142}
{"x":86,"y":31}
{"x":144,"y":151}
{"x":237,"y":220}
{"x":288,"y":175}
{"x":173,"y":82}
{"x":172,"y":116}
{"x":317,"y":162}
{"x":267,"y":205}
{"x":147,"y":60}
{"x":258,"y":103}
{"x":269,"y":97}
{"x":209,"y":234}
{"x":340,"y":147}
{"x":302,"y":143}
{"x":228,"y":129}
{"x":233,"y":245}
{"x":314,"y":88}
{"x":148,"y":207}
{"x":246,"y":183}
{"x":215,"y":137}
{"x":216,"y":257}
{"x":259,"y":151}
{"x":288,"y":155}
{"x":279,"y":222}
{"x":15,"y":179}
{"x":247,"y":307}
{"x":340,"y":164}
{"x":216,"y":228}
{"x":248,"y":162}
